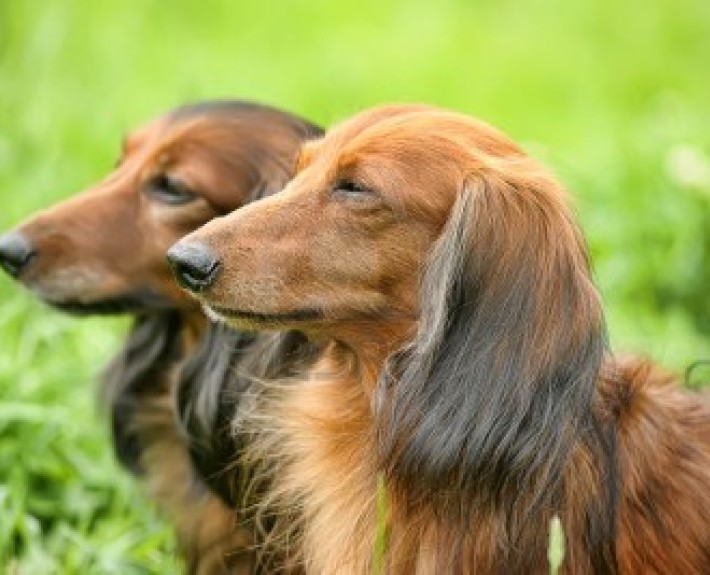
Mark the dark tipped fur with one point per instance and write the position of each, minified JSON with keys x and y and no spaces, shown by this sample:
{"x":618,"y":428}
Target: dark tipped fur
{"x":151,"y":351}
{"x":208,"y":378}
{"x":513,"y":406}
{"x":214,"y":388}
{"x":208,"y":375}
{"x":171,"y":389}
{"x":481,"y":387}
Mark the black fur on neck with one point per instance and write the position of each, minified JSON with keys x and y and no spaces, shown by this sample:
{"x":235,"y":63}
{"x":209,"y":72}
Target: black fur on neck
{"x":213,"y":387}
{"x":215,"y":390}
{"x":140,"y":370}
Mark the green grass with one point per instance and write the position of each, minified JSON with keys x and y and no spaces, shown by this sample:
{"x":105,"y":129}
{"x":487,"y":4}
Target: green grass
{"x":380,"y":547}
{"x":613,"y":95}
{"x":556,"y":546}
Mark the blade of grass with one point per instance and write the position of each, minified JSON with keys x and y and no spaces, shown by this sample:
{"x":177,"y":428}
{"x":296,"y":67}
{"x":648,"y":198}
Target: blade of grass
{"x":378,"y":560}
{"x":556,"y":545}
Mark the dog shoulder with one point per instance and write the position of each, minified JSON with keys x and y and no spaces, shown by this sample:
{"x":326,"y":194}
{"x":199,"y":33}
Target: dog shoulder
{"x":664,"y":458}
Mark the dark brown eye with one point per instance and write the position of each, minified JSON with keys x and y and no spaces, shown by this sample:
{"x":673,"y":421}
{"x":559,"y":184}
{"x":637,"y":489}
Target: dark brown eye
{"x":352,"y":189}
{"x":169,"y":190}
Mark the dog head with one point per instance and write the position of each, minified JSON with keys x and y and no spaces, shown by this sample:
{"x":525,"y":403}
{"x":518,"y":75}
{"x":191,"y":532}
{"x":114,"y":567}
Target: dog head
{"x":344,"y":219}
{"x":436,"y":237}
{"x":103,"y":250}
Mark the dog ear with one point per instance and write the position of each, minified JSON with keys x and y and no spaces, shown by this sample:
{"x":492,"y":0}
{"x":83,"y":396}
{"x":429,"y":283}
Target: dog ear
{"x":209,"y":389}
{"x":482,"y":407}
{"x":133,"y":376}
{"x":215,"y":390}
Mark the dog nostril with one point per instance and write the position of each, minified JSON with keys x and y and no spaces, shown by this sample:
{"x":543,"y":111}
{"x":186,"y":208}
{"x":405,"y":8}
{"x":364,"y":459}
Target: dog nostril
{"x":195,"y":268}
{"x":15,"y":253}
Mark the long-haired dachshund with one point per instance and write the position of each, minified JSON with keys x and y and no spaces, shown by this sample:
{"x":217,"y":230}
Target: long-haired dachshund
{"x":463,"y":361}
{"x":103,"y":251}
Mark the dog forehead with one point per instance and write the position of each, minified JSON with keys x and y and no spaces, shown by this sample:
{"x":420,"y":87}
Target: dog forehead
{"x":419,"y":130}
{"x":189,"y":144}
{"x":161,"y":143}
{"x":402,"y":146}
{"x":329,"y":147}
{"x":417,"y":156}
{"x":142,"y":137}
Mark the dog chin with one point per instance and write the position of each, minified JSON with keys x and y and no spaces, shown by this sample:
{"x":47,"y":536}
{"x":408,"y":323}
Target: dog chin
{"x":257,"y":321}
{"x":136,"y":302}
{"x":235,"y":322}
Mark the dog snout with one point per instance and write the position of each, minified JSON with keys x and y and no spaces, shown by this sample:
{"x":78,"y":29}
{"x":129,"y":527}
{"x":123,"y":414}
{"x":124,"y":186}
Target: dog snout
{"x":194,"y":266}
{"x":16,"y":251}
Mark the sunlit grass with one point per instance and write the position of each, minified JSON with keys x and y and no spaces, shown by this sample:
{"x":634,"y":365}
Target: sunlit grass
{"x":380,"y":548}
{"x":556,"y":546}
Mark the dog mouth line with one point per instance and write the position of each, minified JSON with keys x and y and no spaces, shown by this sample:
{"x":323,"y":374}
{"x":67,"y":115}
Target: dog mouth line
{"x":123,"y":304}
{"x":293,"y":316}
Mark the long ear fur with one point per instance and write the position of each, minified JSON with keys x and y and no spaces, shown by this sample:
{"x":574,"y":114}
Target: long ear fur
{"x":139,"y":370}
{"x":215,"y":388}
{"x":481,"y":412}
{"x":202,"y":410}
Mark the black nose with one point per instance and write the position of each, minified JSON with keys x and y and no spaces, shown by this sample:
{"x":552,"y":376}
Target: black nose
{"x":194,"y":266}
{"x":15,"y":253}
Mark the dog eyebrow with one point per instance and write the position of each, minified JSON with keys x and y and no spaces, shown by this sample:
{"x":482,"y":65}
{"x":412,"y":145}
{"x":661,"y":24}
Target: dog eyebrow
{"x":306,"y":153}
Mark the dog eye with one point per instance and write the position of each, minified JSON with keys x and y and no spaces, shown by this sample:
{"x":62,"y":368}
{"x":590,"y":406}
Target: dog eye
{"x":351,"y":189}
{"x":169,"y":190}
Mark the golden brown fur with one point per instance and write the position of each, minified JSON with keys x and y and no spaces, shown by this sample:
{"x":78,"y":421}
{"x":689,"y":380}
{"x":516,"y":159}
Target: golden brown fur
{"x":463,"y":358}
{"x":103,"y":251}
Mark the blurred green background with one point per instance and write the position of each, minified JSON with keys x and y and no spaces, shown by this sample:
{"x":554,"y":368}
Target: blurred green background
{"x":614,"y":95}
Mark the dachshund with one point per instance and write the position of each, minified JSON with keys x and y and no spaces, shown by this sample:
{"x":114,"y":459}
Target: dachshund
{"x":172,"y":387}
{"x":463,"y":366}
